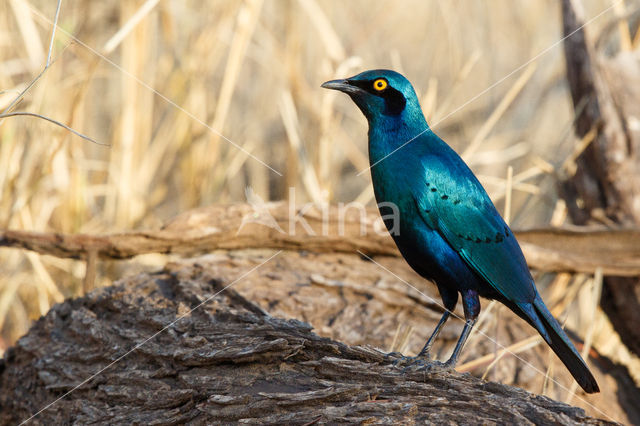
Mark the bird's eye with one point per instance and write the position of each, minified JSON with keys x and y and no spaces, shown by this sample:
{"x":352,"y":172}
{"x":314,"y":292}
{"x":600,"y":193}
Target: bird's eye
{"x":380,"y":84}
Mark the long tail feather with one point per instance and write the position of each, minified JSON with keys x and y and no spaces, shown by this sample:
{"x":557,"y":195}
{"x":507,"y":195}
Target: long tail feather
{"x":565,"y":350}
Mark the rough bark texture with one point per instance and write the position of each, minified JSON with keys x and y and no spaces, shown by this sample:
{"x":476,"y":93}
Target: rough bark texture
{"x":606,"y":183}
{"x":177,"y":347}
{"x":239,"y":226}
{"x":229,"y":361}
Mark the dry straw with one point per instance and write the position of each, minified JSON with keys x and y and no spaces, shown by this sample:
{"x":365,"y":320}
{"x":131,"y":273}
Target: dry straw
{"x":196,"y":99}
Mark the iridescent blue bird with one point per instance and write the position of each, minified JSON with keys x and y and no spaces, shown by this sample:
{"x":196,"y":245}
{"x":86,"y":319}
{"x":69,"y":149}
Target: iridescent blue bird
{"x":449,"y":230}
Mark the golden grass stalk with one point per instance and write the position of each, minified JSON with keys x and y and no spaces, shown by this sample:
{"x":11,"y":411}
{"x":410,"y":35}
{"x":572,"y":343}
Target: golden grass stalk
{"x":31,"y":38}
{"x":500,"y":109}
{"x":195,"y":55}
{"x":128,"y":26}
{"x":247,"y":19}
{"x":492,"y":359}
{"x":290,"y":121}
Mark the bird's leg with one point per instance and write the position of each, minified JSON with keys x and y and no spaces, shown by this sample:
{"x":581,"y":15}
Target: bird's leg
{"x":471,"y":304}
{"x":449,"y":298}
{"x":451,"y":363}
{"x":424,"y":353}
{"x":419,"y":360}
{"x":427,"y":347}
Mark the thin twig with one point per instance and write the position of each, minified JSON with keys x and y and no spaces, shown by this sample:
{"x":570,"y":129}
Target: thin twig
{"x":51,"y":120}
{"x":46,"y":66}
{"x":18,"y":98}
{"x":53,"y":34}
{"x":22,"y":93}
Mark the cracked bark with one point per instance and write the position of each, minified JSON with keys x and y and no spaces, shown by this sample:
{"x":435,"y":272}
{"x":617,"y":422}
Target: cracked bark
{"x":228,"y":361}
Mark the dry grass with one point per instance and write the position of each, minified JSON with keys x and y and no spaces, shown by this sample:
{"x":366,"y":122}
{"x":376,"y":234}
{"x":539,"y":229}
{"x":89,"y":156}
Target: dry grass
{"x":199,"y":100}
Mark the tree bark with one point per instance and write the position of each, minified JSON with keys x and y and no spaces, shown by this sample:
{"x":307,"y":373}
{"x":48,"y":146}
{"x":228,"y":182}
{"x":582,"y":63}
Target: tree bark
{"x":606,"y":184}
{"x":178,"y":346}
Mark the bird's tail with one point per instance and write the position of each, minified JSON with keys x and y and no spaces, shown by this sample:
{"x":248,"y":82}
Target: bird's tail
{"x":539,"y":316}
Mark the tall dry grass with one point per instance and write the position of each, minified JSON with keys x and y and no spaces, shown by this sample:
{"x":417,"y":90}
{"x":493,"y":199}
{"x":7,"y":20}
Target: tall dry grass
{"x":199,"y":100}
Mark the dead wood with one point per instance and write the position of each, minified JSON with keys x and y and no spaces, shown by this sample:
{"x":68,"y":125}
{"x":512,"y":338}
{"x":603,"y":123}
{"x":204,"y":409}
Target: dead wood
{"x":332,"y":230}
{"x":228,"y":361}
{"x":606,"y":181}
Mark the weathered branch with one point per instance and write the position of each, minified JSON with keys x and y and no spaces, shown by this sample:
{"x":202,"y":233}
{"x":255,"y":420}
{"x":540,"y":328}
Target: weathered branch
{"x":333,"y":230}
{"x":225,"y":362}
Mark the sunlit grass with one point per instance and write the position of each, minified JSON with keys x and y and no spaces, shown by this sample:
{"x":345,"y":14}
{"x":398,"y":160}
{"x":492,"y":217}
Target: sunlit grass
{"x":169,"y":89}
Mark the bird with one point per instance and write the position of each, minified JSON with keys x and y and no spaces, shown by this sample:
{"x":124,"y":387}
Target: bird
{"x":447,"y":228}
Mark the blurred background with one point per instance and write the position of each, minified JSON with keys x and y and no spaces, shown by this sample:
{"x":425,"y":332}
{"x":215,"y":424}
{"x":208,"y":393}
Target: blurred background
{"x":200,"y":100}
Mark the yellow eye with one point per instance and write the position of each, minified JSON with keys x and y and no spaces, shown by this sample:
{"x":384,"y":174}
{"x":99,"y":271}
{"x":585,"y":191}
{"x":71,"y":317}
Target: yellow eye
{"x":380,"y":84}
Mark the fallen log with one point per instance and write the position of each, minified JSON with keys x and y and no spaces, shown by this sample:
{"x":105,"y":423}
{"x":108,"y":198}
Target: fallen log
{"x":180,"y":346}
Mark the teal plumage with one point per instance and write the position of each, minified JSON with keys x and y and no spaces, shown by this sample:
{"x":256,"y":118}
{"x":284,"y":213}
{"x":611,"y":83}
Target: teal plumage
{"x":449,"y":230}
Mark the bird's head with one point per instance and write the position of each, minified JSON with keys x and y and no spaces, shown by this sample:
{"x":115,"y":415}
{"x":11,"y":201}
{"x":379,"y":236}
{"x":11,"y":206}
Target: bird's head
{"x":379,"y":94}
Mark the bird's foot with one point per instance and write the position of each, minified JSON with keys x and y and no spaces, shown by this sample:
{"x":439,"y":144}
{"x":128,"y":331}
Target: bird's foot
{"x":449,"y":365}
{"x":393,"y":357}
{"x":409,"y":362}
{"x":421,"y":362}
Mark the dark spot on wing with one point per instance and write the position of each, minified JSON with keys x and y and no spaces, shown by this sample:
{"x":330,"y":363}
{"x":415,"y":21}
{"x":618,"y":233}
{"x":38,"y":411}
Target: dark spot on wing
{"x":444,"y":197}
{"x":433,"y":190}
{"x":498,"y":238}
{"x":456,"y":202}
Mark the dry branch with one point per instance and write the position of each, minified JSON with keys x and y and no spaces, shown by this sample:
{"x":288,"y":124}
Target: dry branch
{"x":240,"y":226}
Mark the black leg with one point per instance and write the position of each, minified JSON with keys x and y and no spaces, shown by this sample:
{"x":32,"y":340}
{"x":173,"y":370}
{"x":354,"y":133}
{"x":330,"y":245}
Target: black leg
{"x":449,"y":298}
{"x":427,"y":347}
{"x":471,"y":304}
{"x":461,"y":341}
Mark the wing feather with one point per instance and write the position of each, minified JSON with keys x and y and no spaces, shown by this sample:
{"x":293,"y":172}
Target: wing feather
{"x":453,"y":202}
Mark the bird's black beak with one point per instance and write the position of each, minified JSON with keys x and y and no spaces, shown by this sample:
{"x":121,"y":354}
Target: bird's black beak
{"x":341,"y":85}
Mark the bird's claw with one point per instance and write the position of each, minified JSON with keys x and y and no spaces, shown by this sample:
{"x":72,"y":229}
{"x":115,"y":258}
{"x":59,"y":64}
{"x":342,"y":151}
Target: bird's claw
{"x":410,"y":364}
{"x":416,"y":364}
{"x":444,"y":366}
{"x":407,"y":362}
{"x":393,"y":357}
{"x":427,"y":365}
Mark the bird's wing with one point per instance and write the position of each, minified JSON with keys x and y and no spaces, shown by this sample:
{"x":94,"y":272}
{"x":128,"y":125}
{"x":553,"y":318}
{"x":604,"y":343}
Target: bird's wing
{"x":452,"y":201}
